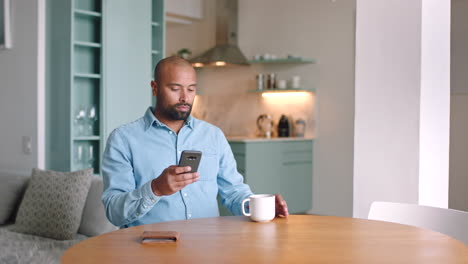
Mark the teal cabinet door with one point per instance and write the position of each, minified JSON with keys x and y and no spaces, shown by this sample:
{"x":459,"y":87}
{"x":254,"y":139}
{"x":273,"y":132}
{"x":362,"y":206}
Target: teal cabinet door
{"x":275,"y":166}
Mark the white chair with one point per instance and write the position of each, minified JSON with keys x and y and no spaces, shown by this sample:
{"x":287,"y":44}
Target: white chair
{"x":450,"y":222}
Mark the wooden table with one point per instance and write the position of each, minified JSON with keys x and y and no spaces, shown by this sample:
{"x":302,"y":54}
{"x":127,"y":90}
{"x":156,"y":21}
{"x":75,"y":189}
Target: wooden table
{"x":297,"y":239}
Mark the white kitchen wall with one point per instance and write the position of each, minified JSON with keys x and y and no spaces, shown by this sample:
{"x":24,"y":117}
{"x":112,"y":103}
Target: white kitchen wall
{"x":387,"y":103}
{"x":459,"y":108}
{"x":434,"y":123}
{"x":22,"y":89}
{"x":402,"y":103}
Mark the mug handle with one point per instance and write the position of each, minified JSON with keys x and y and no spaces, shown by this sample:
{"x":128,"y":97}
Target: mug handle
{"x":243,"y":207}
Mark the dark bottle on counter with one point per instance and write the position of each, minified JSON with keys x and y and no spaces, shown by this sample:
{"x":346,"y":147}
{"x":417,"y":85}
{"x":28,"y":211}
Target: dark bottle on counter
{"x":283,"y":127}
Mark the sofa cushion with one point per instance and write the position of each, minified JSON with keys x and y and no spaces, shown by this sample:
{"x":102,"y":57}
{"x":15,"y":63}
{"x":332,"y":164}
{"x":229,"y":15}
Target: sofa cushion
{"x":53,"y":203}
{"x":94,"y":221}
{"x":11,"y":190}
{"x":23,"y":248}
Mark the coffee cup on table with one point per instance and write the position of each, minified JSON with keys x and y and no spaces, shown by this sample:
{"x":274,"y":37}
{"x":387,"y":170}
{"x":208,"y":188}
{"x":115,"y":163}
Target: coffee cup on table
{"x":261,"y":207}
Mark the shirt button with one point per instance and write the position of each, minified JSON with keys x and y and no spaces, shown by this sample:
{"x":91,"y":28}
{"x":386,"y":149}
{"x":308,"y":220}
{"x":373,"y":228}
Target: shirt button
{"x":189,"y":215}
{"x":185,"y":194}
{"x":170,"y":132}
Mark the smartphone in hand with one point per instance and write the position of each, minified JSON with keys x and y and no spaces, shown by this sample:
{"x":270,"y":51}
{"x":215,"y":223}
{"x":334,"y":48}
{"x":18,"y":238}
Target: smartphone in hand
{"x":190,"y":158}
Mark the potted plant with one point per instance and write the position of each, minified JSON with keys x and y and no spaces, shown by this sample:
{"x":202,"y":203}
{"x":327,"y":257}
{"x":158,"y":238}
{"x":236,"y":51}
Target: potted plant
{"x":184,"y":53}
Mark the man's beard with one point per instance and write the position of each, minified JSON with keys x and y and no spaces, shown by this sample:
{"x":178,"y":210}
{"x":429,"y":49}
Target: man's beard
{"x":174,"y":114}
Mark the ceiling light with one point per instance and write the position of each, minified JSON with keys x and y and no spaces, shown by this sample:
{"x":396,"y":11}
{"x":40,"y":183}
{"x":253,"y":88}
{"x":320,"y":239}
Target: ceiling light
{"x":220,"y":63}
{"x":197,"y":65}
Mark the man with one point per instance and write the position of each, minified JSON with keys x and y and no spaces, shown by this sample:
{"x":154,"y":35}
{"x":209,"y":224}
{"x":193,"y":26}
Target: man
{"x":141,"y":182}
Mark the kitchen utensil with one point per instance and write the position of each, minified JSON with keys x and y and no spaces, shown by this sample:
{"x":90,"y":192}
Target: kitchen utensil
{"x":300,"y":127}
{"x":265,"y":125}
{"x":281,"y":84}
{"x":260,"y":81}
{"x":283,"y":127}
{"x":296,"y":82}
{"x":271,"y":81}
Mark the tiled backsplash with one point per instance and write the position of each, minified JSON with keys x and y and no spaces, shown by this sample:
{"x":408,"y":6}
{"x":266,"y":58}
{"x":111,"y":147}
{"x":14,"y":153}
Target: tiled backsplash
{"x":225,"y":101}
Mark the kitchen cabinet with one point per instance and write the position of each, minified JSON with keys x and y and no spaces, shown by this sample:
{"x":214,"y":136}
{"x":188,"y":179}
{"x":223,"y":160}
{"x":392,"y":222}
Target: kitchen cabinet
{"x":98,"y":53}
{"x":281,"y":165}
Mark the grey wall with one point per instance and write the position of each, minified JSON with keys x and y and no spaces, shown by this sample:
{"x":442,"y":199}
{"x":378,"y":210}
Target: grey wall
{"x":333,"y":150}
{"x":458,"y":199}
{"x":21,"y":89}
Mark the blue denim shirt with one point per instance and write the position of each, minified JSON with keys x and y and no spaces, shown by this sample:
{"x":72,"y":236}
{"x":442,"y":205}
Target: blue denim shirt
{"x":138,"y":152}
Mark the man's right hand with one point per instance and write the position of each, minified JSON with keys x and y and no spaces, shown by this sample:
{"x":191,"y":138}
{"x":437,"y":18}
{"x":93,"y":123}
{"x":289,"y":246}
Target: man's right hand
{"x":173,"y":179}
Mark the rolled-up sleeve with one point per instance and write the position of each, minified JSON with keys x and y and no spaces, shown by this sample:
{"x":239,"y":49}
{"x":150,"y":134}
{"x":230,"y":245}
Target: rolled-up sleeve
{"x":232,"y":188}
{"x":123,"y":202}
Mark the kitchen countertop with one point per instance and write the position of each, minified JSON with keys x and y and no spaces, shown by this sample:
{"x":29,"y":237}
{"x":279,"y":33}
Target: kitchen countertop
{"x":259,"y":139}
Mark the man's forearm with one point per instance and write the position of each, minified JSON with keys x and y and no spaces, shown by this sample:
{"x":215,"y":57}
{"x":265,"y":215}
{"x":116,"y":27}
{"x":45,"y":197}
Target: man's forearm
{"x":123,"y":208}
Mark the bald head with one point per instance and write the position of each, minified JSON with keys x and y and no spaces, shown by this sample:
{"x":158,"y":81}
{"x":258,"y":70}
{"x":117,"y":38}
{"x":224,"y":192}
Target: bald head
{"x":166,"y":63}
{"x":175,"y":86}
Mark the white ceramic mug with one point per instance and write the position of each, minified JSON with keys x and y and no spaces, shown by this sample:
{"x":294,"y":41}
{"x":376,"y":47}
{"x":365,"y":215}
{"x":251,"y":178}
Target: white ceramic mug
{"x":296,"y":82}
{"x":281,"y":84}
{"x":261,"y":207}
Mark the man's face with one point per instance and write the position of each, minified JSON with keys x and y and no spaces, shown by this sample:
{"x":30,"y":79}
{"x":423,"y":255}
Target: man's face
{"x":175,"y":91}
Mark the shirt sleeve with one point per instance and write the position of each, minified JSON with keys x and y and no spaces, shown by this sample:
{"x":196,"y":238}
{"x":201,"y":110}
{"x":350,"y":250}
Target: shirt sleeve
{"x":232,"y":188}
{"x":123,"y":202}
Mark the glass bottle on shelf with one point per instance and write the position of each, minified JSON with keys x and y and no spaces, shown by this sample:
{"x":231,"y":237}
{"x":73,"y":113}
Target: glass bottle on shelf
{"x":79,"y":159}
{"x":91,"y":156}
{"x":92,"y":118}
{"x":79,"y":119}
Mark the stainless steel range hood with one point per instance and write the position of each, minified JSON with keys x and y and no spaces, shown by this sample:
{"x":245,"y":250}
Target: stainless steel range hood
{"x":226,"y":50}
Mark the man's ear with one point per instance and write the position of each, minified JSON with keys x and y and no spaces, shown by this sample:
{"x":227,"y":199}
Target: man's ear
{"x":154,"y":88}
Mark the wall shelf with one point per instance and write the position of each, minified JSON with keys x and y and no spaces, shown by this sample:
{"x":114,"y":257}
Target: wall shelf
{"x":284,"y":61}
{"x":85,"y":138}
{"x":311,"y":90}
{"x":87,"y":44}
{"x":87,"y":75}
{"x":87,"y":13}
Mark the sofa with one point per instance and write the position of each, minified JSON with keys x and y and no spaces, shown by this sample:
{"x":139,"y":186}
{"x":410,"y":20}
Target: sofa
{"x":16,"y":247}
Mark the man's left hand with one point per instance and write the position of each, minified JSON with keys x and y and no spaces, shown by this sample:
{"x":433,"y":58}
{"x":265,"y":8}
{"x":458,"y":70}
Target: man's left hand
{"x":281,"y":207}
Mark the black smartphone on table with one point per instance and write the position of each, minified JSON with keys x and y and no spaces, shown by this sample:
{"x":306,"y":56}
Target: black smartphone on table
{"x":190,"y":158}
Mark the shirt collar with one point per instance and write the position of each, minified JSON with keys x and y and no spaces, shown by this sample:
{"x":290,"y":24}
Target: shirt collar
{"x":189,"y":122}
{"x":150,"y":119}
